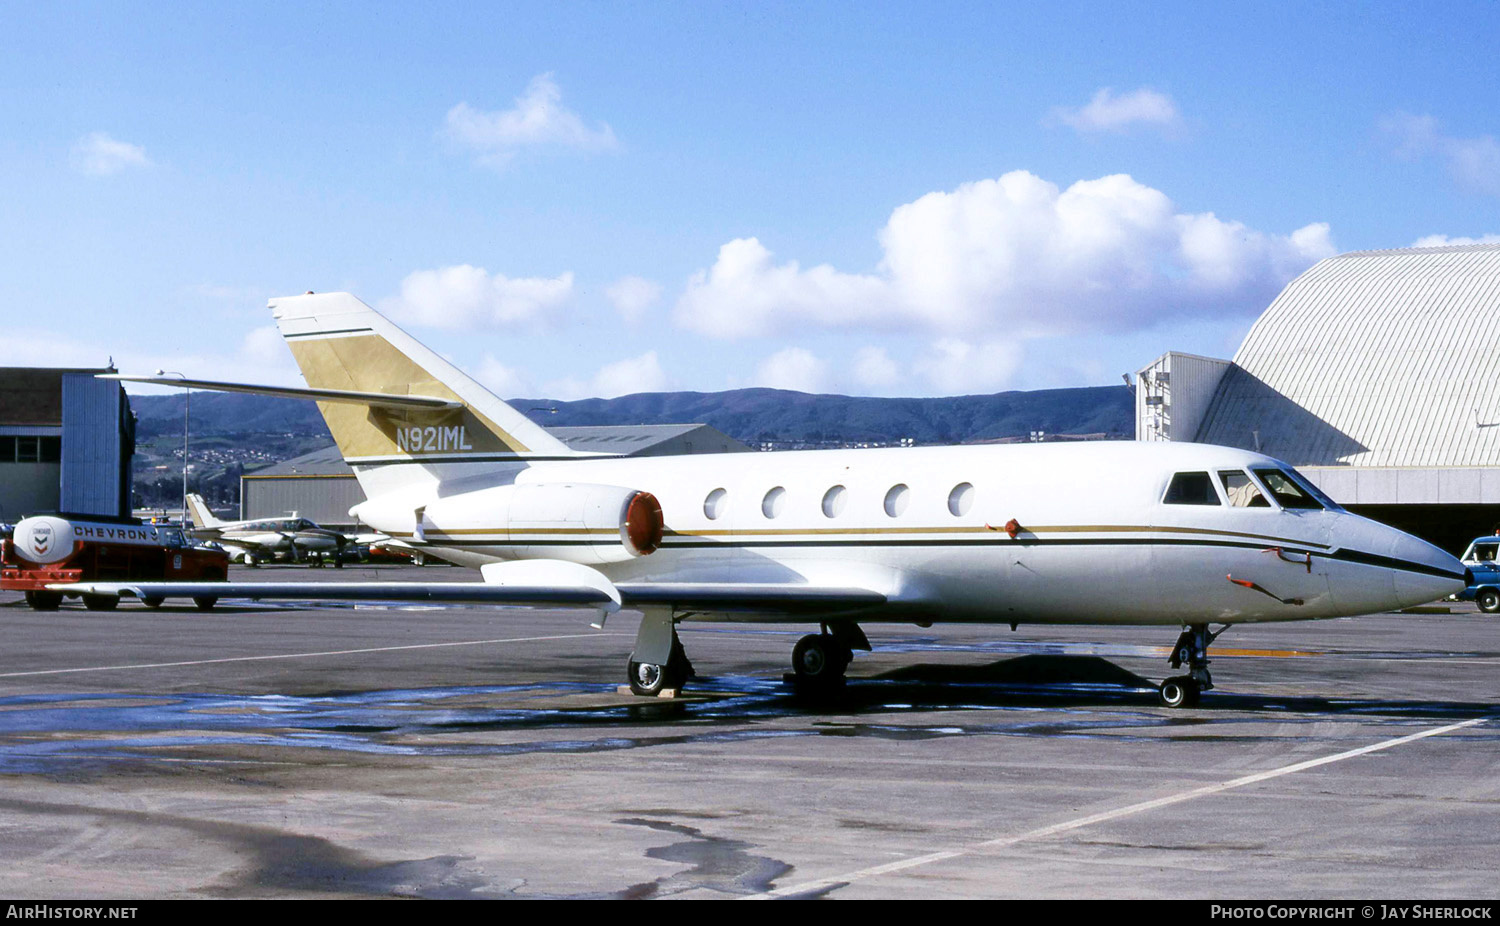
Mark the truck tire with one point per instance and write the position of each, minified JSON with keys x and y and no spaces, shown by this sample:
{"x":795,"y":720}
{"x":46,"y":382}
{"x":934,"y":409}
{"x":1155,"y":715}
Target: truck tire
{"x":44,"y":601}
{"x":1488,"y":600}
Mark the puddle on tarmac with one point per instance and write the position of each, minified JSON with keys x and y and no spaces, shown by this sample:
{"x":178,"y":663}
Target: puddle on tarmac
{"x":1035,"y":696}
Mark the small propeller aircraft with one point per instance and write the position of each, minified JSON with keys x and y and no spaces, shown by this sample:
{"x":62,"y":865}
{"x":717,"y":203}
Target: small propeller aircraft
{"x":252,"y":541}
{"x":1173,"y":534}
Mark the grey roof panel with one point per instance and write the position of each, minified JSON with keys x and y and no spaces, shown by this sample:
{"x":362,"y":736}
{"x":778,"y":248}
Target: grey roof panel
{"x":1373,"y":358}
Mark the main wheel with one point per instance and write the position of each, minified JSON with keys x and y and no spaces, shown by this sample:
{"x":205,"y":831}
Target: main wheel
{"x":205,"y":602}
{"x":1179,"y":691}
{"x":650,"y":679}
{"x":152,"y":602}
{"x":820,"y":658}
{"x":1488,"y":600}
{"x":100,"y":602}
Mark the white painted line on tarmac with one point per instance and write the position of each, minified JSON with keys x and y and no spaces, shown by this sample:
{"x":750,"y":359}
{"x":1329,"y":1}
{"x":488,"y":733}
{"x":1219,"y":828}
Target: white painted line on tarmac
{"x":1104,"y":817}
{"x":341,"y":652}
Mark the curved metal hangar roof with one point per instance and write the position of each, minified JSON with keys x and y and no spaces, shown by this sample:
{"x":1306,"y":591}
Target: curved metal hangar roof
{"x":1373,"y":358}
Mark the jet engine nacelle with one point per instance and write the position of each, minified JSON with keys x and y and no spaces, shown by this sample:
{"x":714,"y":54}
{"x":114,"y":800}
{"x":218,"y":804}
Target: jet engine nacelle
{"x":576,"y":522}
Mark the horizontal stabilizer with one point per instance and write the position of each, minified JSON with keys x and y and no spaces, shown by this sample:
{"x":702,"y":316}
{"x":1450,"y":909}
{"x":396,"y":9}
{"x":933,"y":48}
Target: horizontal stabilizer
{"x":343,"y":396}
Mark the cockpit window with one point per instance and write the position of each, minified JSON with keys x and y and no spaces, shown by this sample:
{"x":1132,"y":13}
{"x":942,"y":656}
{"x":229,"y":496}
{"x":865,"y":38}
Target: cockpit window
{"x":1311,"y":489}
{"x":1191,"y":489}
{"x":1241,"y":491}
{"x":1287,"y":493}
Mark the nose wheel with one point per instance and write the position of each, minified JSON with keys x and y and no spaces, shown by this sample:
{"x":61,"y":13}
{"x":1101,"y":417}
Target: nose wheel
{"x":1191,"y":649}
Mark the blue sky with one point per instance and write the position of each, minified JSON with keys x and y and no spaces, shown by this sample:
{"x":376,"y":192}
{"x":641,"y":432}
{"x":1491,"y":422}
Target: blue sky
{"x":578,"y":199}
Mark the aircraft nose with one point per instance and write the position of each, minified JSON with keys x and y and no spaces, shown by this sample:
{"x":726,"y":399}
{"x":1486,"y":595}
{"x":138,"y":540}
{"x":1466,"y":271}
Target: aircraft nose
{"x":1380,"y":568}
{"x":1431,"y":573}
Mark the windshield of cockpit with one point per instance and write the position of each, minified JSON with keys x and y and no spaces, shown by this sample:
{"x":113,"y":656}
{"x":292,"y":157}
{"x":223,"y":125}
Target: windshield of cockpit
{"x":1253,"y":488}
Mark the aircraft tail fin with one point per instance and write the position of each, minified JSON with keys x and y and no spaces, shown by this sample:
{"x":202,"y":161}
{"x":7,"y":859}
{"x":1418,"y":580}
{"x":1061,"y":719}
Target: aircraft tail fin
{"x":198,"y":511}
{"x":340,"y":343}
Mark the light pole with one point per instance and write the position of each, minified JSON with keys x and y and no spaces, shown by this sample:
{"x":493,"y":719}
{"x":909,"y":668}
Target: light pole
{"x":187,"y":404}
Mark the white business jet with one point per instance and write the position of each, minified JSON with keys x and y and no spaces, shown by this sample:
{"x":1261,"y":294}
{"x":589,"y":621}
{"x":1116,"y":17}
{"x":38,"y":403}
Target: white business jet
{"x":1178,"y":534}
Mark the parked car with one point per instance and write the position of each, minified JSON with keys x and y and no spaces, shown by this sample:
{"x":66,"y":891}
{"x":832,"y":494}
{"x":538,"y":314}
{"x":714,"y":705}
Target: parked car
{"x":1484,"y":584}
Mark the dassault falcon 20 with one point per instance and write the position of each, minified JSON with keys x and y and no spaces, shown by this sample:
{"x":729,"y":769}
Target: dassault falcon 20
{"x":1177,"y":534}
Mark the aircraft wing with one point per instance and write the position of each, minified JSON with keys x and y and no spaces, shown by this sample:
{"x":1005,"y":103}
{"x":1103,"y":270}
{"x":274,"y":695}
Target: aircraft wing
{"x":758,"y":597}
{"x":475,"y":592}
{"x":538,"y":583}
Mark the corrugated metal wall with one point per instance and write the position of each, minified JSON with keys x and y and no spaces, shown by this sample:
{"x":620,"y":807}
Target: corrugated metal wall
{"x":324,"y":499}
{"x":91,"y":480}
{"x":1173,"y":394}
{"x":1374,"y":358}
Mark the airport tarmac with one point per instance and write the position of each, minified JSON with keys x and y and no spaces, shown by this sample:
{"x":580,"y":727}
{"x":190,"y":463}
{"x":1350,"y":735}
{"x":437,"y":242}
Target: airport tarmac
{"x":449,"y":751}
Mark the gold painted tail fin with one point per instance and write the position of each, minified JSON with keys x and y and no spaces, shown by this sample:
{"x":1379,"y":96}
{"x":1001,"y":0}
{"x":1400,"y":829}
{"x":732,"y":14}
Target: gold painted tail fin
{"x":341,"y":343}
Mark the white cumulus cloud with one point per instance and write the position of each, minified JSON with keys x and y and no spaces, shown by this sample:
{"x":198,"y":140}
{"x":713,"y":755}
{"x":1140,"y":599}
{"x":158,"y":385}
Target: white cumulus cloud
{"x":1017,"y":256}
{"x":537,"y":119}
{"x":505,"y":382}
{"x":632,"y":296}
{"x":1443,"y":241}
{"x":793,"y":368}
{"x":1473,"y":162}
{"x":98,"y":155}
{"x":1108,"y":111}
{"x":465,"y":296}
{"x":958,"y":366}
{"x":623,"y":377}
{"x":874,"y":368}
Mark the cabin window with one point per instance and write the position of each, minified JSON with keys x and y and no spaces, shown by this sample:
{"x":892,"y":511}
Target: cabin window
{"x":1241,"y":491}
{"x":961,"y":499}
{"x":1286,"y":492}
{"x":713,"y":506}
{"x":1191,"y":489}
{"x":775,"y":501}
{"x":896,"y":499}
{"x":1483,"y":553}
{"x":834,"y":500}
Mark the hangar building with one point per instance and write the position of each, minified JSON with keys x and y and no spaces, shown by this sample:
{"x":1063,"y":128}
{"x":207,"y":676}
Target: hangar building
{"x":66,"y":441}
{"x":321,"y":486}
{"x":1375,"y":373}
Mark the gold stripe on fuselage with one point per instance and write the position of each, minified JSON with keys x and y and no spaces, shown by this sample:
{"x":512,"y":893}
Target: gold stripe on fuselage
{"x":874,"y":531}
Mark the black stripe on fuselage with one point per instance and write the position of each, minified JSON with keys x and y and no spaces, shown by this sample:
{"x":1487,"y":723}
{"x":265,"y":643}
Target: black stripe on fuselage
{"x":1390,"y":562}
{"x":1343,"y":555}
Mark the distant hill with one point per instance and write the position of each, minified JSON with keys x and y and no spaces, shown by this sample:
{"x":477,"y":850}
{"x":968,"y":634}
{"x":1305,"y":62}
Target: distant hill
{"x":227,"y":414}
{"x":776,"y":414}
{"x":748,"y":414}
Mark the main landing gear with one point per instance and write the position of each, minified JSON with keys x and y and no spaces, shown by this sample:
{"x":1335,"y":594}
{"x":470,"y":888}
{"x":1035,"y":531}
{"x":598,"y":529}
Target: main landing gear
{"x":819,"y":660}
{"x":658,"y":662}
{"x":1191,"y":648}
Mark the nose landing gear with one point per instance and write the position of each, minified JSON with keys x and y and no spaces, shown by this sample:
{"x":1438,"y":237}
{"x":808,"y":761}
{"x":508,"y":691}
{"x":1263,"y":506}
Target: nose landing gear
{"x":1191,"y":648}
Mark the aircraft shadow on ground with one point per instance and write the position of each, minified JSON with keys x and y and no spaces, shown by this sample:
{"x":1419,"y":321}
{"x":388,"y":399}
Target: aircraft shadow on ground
{"x":1081,"y":681}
